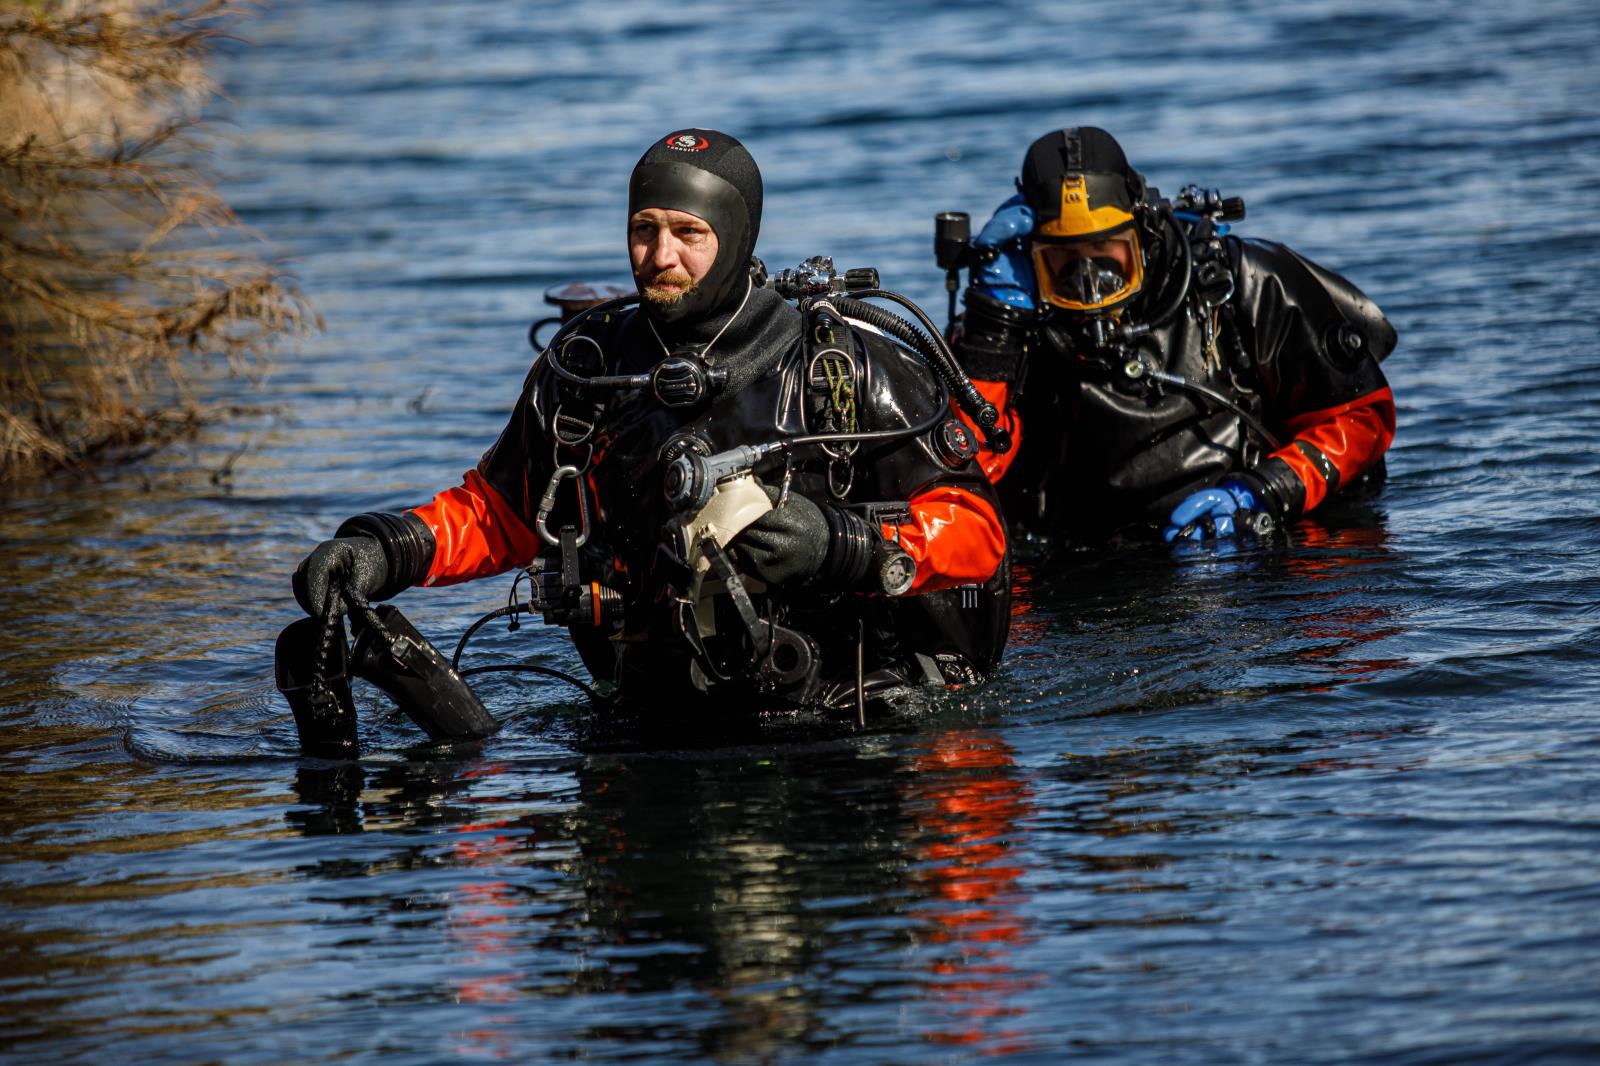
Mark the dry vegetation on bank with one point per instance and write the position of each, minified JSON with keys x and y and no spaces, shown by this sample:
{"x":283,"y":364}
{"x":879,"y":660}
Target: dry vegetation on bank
{"x":123,"y":274}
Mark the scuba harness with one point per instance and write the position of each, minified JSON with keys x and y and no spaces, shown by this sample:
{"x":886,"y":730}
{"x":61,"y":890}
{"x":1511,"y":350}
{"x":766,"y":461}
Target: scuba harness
{"x":711,"y":499}
{"x":1198,"y":220}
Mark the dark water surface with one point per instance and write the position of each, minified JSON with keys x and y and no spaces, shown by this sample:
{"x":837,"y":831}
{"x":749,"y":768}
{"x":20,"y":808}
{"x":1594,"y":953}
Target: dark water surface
{"x":1334,"y":802}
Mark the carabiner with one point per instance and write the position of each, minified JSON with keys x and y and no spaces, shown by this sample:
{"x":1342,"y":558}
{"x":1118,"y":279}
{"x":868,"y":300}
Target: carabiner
{"x":548,"y":503}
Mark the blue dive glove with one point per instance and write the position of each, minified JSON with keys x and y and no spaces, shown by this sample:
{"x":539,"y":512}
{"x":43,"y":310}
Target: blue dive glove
{"x":1217,"y":512}
{"x":1007,"y":274}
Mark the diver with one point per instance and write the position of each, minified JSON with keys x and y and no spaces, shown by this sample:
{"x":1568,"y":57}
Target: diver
{"x":726,"y":498}
{"x":1158,"y":374}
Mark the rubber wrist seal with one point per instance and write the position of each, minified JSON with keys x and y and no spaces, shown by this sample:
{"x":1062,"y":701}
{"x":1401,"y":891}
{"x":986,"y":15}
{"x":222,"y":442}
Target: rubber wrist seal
{"x":851,"y":541}
{"x":994,"y":337}
{"x":408,"y":545}
{"x":1278,"y":488}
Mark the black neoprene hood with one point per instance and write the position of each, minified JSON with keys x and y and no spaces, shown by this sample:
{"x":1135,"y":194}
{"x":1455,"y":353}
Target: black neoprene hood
{"x":713,"y":177}
{"x":1082,"y":151}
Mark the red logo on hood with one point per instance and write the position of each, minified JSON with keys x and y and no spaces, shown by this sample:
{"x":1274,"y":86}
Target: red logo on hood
{"x":688,"y":142}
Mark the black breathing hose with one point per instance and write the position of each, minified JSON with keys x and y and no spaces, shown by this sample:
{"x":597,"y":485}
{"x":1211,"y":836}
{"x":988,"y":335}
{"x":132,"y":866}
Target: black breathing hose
{"x":528,"y":668}
{"x":1250,"y":421}
{"x":937,"y":355}
{"x":499,"y":612}
{"x":1165,"y":314}
{"x":533,"y":332}
{"x":614,"y":304}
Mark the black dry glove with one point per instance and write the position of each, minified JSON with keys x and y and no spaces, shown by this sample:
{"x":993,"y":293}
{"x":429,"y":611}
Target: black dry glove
{"x":787,"y":544}
{"x":823,"y":545}
{"x":355,"y":561}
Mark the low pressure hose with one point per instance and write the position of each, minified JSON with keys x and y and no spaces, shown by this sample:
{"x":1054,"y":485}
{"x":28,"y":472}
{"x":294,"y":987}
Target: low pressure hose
{"x":1250,"y":421}
{"x":938,"y":357}
{"x":1165,"y":314}
{"x":527,"y":668}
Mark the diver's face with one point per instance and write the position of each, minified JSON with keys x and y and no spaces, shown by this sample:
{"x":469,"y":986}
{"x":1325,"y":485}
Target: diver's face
{"x":672,"y":252}
{"x":1117,"y":249}
{"x":1086,"y":275}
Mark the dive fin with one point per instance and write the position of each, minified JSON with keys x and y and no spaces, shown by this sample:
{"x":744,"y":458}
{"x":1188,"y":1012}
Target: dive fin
{"x":402,"y":663}
{"x":324,"y":710}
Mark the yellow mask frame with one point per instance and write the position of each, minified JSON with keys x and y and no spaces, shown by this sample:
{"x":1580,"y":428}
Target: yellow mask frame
{"x":1052,"y":257}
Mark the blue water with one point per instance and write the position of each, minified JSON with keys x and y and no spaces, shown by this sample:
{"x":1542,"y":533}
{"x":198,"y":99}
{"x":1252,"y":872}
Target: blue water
{"x":1334,"y":802}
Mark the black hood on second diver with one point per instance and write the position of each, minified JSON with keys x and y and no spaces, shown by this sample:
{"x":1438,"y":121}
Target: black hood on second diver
{"x":1081,"y":152}
{"x":712,"y":176}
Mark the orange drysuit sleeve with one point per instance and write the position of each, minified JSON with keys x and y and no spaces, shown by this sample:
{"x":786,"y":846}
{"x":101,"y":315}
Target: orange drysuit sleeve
{"x":476,"y":533}
{"x":1336,"y":444}
{"x":954,"y":536}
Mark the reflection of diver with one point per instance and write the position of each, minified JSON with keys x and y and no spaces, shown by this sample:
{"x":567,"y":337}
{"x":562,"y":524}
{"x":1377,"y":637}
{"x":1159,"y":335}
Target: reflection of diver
{"x":733,"y":500}
{"x":480,"y":911}
{"x":968,"y":800}
{"x":346,"y":797}
{"x":729,"y":874}
{"x":1229,"y":622}
{"x":1341,"y":622}
{"x":740,"y":877}
{"x":762,"y":879}
{"x":330,"y":798}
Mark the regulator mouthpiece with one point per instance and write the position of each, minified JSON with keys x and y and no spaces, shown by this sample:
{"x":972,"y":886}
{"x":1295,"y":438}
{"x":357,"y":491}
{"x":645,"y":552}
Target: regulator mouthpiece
{"x":691,"y":478}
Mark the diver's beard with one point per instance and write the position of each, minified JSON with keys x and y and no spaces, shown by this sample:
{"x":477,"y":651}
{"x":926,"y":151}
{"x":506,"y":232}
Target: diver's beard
{"x":667,"y":296}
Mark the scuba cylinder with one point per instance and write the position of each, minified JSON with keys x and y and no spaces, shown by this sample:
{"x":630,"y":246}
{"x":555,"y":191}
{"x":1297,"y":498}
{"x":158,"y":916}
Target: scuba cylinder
{"x":570,"y":299}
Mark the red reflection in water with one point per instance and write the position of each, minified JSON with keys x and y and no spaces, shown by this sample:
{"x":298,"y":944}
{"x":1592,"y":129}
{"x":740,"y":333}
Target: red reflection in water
{"x":481,"y":916}
{"x":1026,"y":626}
{"x":1344,"y":552}
{"x":970,"y":799}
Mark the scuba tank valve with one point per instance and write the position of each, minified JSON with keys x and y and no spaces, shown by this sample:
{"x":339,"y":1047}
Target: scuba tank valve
{"x":816,"y":277}
{"x":952,"y":250}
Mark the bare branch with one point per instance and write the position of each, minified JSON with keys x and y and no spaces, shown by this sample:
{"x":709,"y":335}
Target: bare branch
{"x":123,"y":273}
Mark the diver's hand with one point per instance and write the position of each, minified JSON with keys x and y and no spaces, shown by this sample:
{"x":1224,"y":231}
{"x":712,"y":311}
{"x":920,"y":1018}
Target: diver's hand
{"x":787,"y":544}
{"x":1005,"y":270}
{"x":1220,"y":512}
{"x":355,"y":561}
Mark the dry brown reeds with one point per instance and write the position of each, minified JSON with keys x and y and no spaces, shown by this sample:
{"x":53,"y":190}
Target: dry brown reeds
{"x":123,"y":274}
